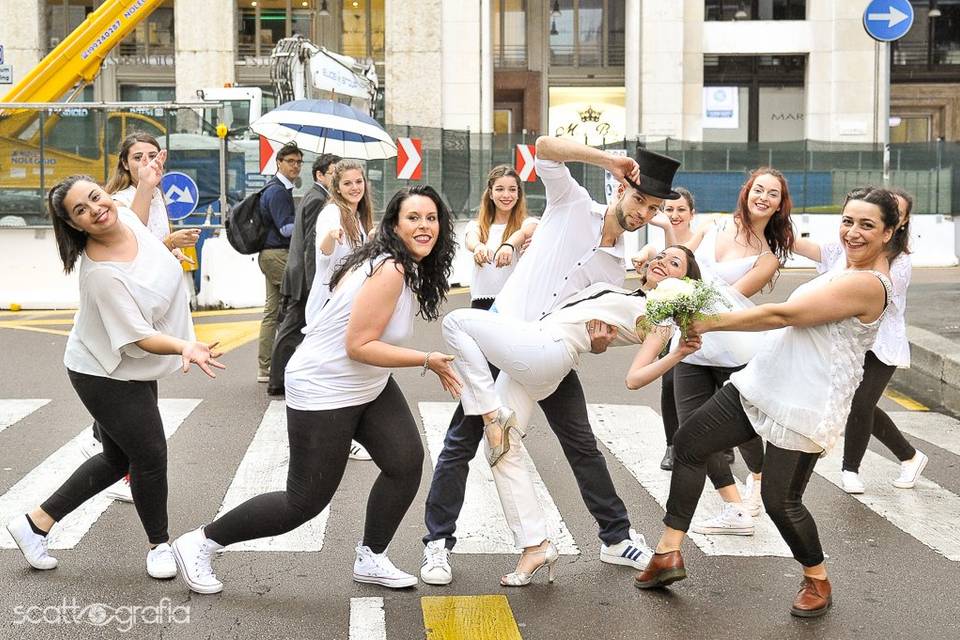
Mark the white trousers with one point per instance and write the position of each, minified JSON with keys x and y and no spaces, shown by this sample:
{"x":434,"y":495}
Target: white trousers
{"x":532,"y":363}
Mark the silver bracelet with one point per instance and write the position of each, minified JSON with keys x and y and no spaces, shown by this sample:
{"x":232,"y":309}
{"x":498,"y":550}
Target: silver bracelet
{"x":426,"y":364}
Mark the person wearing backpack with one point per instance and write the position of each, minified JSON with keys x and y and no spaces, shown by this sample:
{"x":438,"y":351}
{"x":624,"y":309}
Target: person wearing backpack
{"x":278,"y":214}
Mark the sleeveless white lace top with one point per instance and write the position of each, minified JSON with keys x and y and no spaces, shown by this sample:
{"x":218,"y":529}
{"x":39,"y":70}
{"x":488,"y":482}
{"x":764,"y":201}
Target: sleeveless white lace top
{"x":798,"y":389}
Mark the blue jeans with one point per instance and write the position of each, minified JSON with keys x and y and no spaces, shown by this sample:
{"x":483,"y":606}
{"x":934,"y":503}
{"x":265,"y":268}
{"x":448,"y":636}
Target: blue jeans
{"x":566,"y":412}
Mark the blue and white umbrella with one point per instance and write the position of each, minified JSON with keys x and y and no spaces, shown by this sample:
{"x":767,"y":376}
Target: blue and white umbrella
{"x":325,"y":126}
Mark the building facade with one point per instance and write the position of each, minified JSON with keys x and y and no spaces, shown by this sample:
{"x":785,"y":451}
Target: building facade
{"x":727,"y":71}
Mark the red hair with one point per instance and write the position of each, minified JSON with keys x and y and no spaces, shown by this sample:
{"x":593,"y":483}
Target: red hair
{"x":779,"y":230}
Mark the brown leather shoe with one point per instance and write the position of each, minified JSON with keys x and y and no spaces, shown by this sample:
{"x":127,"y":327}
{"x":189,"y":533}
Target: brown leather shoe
{"x":663,"y":569}
{"x":813,"y":599}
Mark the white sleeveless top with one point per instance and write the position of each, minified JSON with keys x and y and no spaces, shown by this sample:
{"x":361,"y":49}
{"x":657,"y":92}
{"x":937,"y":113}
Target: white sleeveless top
{"x":327,"y":219}
{"x":489,"y":279}
{"x":124,"y":302}
{"x":726,"y":348}
{"x":320,"y":375}
{"x":798,"y":389}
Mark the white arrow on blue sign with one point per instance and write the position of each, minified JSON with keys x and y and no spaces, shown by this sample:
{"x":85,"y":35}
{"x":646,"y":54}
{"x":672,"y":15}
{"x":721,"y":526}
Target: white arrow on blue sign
{"x":888,"y":20}
{"x":180,"y":193}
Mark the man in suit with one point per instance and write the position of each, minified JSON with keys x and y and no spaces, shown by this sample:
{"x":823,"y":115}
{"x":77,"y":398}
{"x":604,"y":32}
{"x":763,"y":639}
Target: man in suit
{"x":298,"y":275}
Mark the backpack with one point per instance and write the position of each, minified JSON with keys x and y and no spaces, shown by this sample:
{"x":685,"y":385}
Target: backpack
{"x":246,"y":230}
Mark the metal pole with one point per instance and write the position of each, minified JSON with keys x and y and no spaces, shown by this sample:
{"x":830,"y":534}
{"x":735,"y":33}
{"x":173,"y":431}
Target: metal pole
{"x":936,"y":206}
{"x":221,"y":115}
{"x":43,"y":167}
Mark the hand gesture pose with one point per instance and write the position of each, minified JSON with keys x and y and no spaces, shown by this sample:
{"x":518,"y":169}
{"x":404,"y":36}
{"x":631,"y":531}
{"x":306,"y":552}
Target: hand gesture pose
{"x":151,"y":173}
{"x":439,"y":363}
{"x":203,"y":355}
{"x":482,"y":254}
{"x":504,"y":255}
{"x":625,"y":170}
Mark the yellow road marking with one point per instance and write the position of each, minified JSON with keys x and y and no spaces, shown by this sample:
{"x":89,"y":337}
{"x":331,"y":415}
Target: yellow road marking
{"x":230,"y":334}
{"x":36,"y":322}
{"x":904,"y":401}
{"x":469,"y":618}
{"x":26,"y":327}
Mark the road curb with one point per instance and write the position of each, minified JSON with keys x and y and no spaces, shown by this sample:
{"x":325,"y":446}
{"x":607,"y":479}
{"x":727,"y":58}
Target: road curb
{"x":934,"y":373}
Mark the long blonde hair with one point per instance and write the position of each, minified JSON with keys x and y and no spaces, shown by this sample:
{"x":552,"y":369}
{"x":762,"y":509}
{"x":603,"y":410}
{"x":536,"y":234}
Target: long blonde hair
{"x":488,"y":211}
{"x":364,"y":208}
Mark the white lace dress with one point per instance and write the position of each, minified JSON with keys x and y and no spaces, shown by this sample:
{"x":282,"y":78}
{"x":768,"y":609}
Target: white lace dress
{"x":798,"y":389}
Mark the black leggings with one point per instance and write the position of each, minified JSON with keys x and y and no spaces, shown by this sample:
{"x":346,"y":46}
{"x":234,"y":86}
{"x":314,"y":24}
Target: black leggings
{"x":693,"y":385}
{"x":718,"y":425}
{"x":319,"y":446}
{"x":867,"y":418}
{"x":668,"y":407}
{"x":133,"y":439}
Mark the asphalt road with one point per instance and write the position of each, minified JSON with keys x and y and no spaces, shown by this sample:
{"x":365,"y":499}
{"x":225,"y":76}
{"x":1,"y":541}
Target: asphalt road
{"x":888,"y":579}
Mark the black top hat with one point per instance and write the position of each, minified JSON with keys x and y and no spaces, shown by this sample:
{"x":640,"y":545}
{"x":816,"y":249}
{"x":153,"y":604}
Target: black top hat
{"x":656,"y":174}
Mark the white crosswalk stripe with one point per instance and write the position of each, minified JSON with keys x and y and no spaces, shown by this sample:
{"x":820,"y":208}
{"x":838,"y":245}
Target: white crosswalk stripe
{"x":632,"y":433}
{"x":936,"y":428}
{"x":46,"y":477}
{"x":367,"y":619}
{"x":481,"y":527}
{"x":264,"y":469}
{"x":12,"y":411}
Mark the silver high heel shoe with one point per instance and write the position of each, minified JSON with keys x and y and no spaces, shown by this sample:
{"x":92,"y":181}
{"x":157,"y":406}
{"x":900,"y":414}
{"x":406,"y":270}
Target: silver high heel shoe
{"x":506,"y":421}
{"x":522,"y":578}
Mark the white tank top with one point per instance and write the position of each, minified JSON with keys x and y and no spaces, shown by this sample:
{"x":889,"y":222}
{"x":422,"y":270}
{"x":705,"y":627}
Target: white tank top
{"x":798,"y":389}
{"x":320,"y":375}
{"x":726,"y":348}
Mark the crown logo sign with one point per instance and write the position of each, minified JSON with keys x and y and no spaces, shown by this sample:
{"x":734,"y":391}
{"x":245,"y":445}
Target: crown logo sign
{"x":590,"y":115}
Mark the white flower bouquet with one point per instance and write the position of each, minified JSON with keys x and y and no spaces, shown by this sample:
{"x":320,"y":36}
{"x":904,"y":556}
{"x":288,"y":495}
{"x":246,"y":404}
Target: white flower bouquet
{"x":680,"y":302}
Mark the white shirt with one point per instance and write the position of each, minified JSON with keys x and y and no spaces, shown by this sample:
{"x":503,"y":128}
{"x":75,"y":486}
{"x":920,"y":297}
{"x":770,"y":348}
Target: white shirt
{"x":157,"y":222}
{"x":327,"y":220}
{"x":123,"y":302}
{"x":320,"y":376}
{"x":565,"y":256}
{"x":798,"y":389}
{"x":489,"y":279}
{"x":892,"y":346}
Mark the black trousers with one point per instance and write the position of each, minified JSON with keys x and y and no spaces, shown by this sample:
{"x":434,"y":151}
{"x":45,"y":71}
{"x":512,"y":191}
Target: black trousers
{"x":668,"y":407}
{"x":319,"y":446}
{"x":693,"y":385}
{"x":867,"y":418}
{"x":566,"y":411}
{"x":719,"y":424}
{"x":289,"y":336}
{"x":132,"y":435}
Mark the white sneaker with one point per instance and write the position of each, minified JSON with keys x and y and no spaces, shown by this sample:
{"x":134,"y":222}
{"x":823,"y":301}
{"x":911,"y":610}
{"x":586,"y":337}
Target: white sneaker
{"x":193,"y":552}
{"x":851,"y":483}
{"x":357,"y":451}
{"x":435,"y":568}
{"x":752,"y":499}
{"x":733,"y":520}
{"x":632,"y":552}
{"x":376,"y":568}
{"x":910,"y":471}
{"x":91,"y":447}
{"x":120,"y":490}
{"x":160,"y":562}
{"x":32,"y":545}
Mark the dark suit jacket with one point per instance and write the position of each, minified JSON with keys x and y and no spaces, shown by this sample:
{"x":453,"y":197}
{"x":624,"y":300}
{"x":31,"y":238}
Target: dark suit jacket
{"x":302,"y":260}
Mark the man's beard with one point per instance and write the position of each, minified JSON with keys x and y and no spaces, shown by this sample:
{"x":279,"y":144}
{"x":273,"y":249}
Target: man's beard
{"x":622,"y":219}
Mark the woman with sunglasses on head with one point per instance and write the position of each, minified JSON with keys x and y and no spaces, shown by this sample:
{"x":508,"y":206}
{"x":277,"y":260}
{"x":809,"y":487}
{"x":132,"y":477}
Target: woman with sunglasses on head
{"x":745,"y":252}
{"x":339,"y":388}
{"x":795,"y":394}
{"x":133,"y":327}
{"x":890,"y":350}
{"x":533,"y":357}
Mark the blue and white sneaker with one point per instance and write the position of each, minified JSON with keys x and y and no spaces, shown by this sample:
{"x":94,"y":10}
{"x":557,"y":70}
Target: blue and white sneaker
{"x":632,"y":552}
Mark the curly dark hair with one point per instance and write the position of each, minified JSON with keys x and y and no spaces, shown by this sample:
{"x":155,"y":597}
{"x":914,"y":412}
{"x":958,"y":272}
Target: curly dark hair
{"x":779,"y":230}
{"x":428,"y":279}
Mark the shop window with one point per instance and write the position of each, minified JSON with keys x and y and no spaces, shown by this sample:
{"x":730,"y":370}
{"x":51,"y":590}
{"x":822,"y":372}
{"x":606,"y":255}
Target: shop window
{"x":63,"y":16}
{"x":153,"y":35}
{"x":587,"y":33}
{"x":716,"y":10}
{"x":930,"y":50}
{"x":363,"y":29}
{"x":263,"y":23}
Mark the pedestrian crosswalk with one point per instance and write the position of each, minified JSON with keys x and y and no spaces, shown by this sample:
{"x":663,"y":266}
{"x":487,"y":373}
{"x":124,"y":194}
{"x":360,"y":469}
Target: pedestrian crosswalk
{"x":632,"y":436}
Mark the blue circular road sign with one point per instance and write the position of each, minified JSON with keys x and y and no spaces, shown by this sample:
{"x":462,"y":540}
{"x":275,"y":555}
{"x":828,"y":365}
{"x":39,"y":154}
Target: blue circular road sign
{"x":888,"y":20}
{"x":180,"y":193}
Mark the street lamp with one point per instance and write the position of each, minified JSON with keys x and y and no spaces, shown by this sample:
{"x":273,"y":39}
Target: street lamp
{"x":553,"y":28}
{"x":741,"y":13}
{"x":934,"y":11}
{"x":555,"y":12}
{"x":324,"y":11}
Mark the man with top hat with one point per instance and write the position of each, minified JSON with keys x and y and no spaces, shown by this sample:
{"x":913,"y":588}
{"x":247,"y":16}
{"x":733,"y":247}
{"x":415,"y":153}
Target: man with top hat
{"x":578,"y":243}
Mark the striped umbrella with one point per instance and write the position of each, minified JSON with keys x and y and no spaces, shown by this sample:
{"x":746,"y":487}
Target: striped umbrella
{"x":325,"y":126}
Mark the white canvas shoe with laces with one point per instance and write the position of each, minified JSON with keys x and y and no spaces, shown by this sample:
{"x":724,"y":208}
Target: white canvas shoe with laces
{"x":160,"y":562}
{"x":733,"y":520}
{"x":376,"y":568}
{"x":32,"y":545}
{"x":435,"y":568}
{"x":910,"y":471}
{"x":194,"y":553}
{"x":752,"y":500}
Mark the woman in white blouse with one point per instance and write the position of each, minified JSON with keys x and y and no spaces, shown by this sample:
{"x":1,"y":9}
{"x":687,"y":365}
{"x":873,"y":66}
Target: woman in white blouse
{"x":497,"y":235}
{"x":133,"y":327}
{"x":891,"y":350}
{"x":795,"y":394}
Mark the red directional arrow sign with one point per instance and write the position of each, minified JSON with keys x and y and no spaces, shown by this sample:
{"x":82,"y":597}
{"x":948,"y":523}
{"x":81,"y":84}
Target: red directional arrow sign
{"x":409,"y":158}
{"x":526,"y":153}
